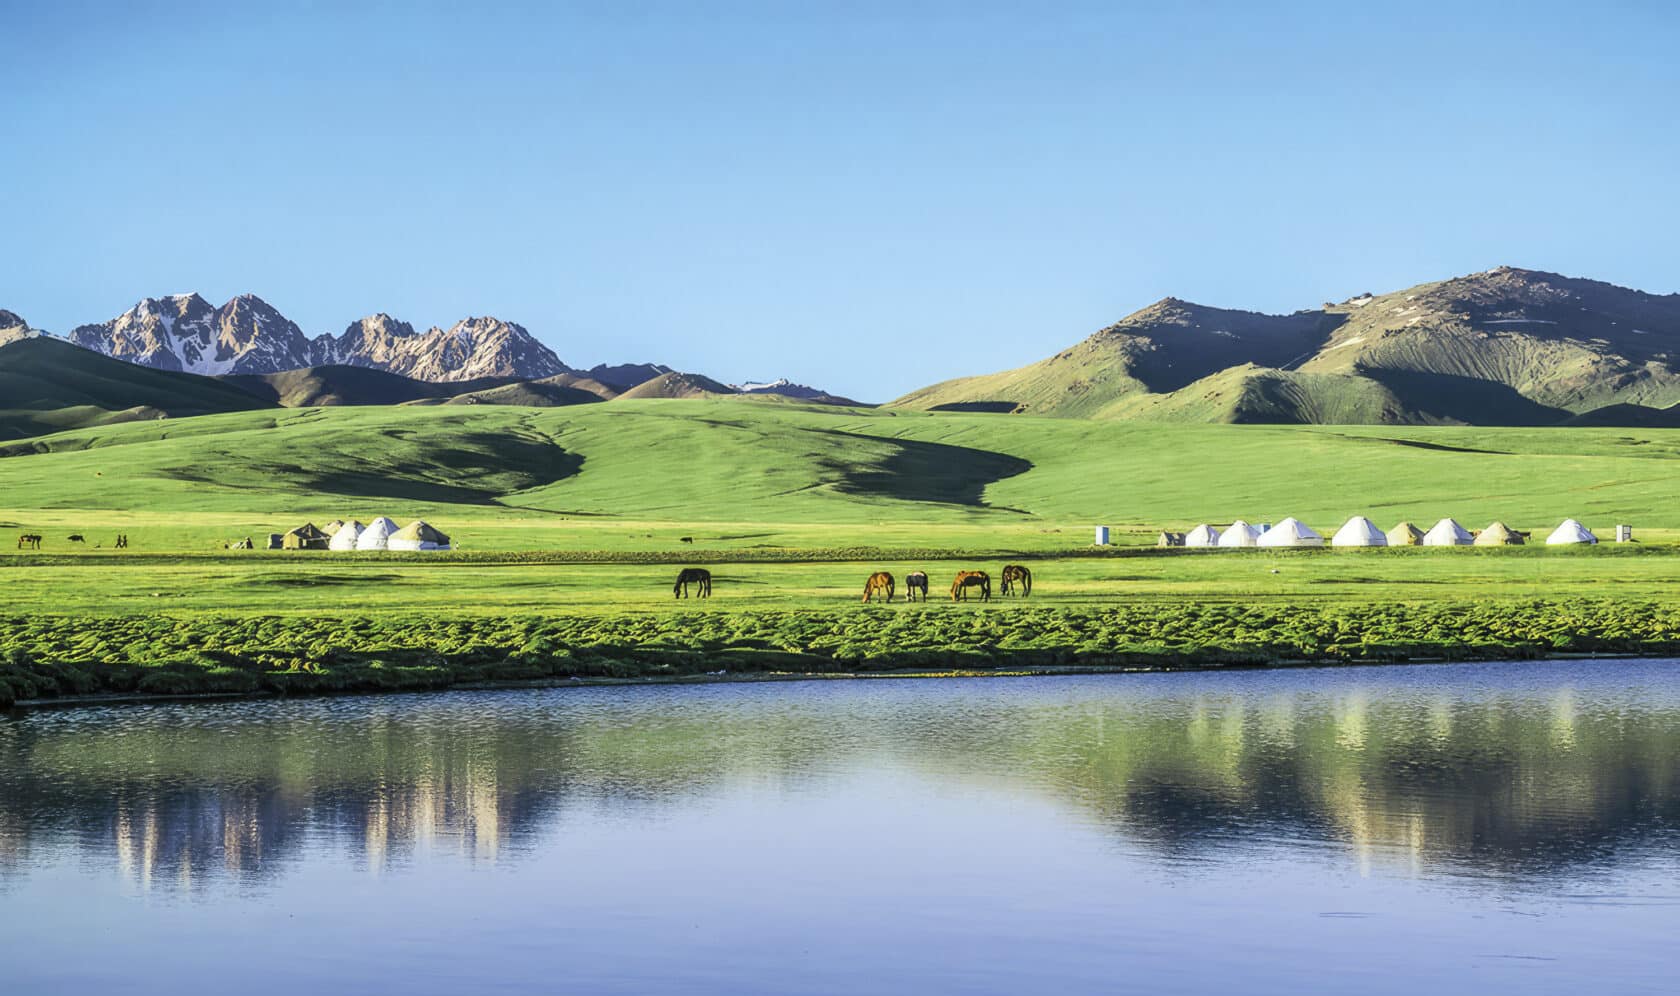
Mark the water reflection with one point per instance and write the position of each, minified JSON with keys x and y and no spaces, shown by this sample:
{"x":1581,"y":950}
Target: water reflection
{"x":1519,"y":771}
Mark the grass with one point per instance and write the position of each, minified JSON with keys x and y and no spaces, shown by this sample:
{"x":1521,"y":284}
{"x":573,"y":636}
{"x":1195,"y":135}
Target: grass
{"x":578,"y":517}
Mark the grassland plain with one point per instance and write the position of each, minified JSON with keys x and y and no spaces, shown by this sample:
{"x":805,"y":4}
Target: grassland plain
{"x":578,"y":516}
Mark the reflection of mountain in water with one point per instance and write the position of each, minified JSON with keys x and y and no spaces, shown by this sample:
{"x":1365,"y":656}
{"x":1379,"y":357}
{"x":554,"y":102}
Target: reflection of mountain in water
{"x":1517,"y":781}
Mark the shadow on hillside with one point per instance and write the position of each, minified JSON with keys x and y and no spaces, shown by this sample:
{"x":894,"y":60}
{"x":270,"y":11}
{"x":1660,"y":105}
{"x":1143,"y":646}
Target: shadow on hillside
{"x":926,"y":472}
{"x":1465,"y":399}
{"x":476,"y":469}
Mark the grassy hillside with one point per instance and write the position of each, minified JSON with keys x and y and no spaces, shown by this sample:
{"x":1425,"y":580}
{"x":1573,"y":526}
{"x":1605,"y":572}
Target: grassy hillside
{"x":47,"y":385}
{"x":679,"y":385}
{"x":735,"y":474}
{"x":312,"y":387}
{"x":1503,"y":347}
{"x":549,"y":392}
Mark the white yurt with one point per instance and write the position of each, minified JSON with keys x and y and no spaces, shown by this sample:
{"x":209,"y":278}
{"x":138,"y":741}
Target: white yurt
{"x":418,"y":535}
{"x":1239,"y":533}
{"x":1359,"y":531}
{"x":1447,"y":533}
{"x":1570,"y":532}
{"x":377,"y":536}
{"x":1202,"y":535}
{"x":344,"y":538}
{"x":1290,"y":532}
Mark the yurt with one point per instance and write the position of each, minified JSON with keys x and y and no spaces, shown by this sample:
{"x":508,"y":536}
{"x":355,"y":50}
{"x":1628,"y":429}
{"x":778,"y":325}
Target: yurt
{"x":1570,"y":532}
{"x":305,"y":537}
{"x":1202,"y":535}
{"x":346,"y":536}
{"x":1170,"y":539}
{"x":377,"y":535}
{"x":1405,"y":534}
{"x":417,"y":535}
{"x":1289,"y":532}
{"x":1447,"y":533}
{"x":1499,"y":534}
{"x":1359,"y":531}
{"x":332,"y":528}
{"x":1238,"y":534}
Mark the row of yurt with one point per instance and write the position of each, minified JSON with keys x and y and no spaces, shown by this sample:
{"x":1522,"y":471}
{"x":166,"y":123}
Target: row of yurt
{"x":381,"y":534}
{"x":1361,"y":531}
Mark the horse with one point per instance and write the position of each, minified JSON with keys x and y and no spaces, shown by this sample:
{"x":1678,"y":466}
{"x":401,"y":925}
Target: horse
{"x":879,"y":581}
{"x":693,"y":575}
{"x":1014,"y":575}
{"x":913,"y":581}
{"x":31,"y":541}
{"x":77,"y":538}
{"x":122,"y":541}
{"x":971,"y":579}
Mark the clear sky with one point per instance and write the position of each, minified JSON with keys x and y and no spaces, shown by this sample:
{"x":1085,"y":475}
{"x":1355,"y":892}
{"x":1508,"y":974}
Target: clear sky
{"x":867,"y":197}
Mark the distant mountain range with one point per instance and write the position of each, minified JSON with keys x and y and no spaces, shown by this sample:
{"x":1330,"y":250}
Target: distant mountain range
{"x":1503,"y":347}
{"x":248,"y":337}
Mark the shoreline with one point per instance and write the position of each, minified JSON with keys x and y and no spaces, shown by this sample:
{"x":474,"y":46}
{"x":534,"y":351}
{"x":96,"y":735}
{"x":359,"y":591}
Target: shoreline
{"x":710,"y":678}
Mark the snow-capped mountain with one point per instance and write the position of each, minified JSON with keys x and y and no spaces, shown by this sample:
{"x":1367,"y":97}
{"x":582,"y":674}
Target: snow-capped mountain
{"x":248,"y":336}
{"x":183,"y":332}
{"x":471,"y":348}
{"x":13,"y":327}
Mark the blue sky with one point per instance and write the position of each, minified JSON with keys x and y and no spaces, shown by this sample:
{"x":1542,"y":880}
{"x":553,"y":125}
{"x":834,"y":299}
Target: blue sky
{"x":868,"y":197}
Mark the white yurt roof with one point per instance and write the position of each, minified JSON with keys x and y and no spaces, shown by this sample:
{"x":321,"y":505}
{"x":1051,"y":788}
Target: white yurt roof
{"x":1359,"y":531}
{"x":345,"y":537}
{"x":1290,"y":532}
{"x":1447,"y":533}
{"x":1239,"y":533}
{"x":1202,"y":535}
{"x":377,"y":535}
{"x":1570,"y":532}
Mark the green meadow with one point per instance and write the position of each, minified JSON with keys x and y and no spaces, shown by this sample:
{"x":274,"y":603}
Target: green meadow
{"x":584,"y":514}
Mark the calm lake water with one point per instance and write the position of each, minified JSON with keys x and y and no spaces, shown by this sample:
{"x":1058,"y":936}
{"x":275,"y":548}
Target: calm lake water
{"x":1472,"y":828}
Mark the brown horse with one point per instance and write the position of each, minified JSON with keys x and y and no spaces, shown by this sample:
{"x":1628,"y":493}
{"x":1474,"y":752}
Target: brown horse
{"x":971,"y":579}
{"x":1015,"y":576}
{"x":31,"y":541}
{"x":696,"y":576}
{"x":880,"y":581}
{"x":914,"y":581}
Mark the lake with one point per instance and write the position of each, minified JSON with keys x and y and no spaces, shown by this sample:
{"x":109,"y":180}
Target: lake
{"x":1468,"y":828}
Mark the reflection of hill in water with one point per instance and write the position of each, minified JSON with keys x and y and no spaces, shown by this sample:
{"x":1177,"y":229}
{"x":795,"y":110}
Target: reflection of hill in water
{"x":1519,"y":781}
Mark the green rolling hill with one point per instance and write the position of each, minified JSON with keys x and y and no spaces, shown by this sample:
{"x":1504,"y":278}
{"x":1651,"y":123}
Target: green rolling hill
{"x":1504,"y":347}
{"x":312,"y":387}
{"x":48,"y":385}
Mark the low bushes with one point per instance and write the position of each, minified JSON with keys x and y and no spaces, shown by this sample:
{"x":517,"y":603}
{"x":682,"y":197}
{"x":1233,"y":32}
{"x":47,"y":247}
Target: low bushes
{"x":48,"y":656}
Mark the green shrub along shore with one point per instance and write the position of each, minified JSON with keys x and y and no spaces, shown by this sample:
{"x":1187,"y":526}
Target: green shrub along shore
{"x":48,"y":657}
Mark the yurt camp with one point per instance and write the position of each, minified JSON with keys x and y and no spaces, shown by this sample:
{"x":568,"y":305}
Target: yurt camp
{"x":345,"y":537}
{"x":1238,"y":534}
{"x":417,"y":535}
{"x":305,"y":537}
{"x":1405,"y":534}
{"x":1359,"y":531}
{"x":1290,"y":532}
{"x":377,"y":535}
{"x":1202,"y":535}
{"x":1447,"y":533}
{"x":1499,"y":534}
{"x":1570,"y":532}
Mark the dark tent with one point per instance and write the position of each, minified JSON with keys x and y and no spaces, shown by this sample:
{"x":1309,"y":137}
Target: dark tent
{"x":305,"y":537}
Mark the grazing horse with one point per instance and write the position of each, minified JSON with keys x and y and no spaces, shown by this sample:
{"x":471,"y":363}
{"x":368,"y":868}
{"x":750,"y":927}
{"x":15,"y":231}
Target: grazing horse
{"x":971,"y":579}
{"x":77,"y":538}
{"x":31,"y":541}
{"x":912,"y":582}
{"x":880,"y":581}
{"x":1014,"y":575}
{"x":693,"y":575}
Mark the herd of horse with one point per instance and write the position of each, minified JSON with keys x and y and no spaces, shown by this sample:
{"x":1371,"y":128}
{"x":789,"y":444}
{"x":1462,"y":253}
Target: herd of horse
{"x":1015,"y":580}
{"x":32,"y":541}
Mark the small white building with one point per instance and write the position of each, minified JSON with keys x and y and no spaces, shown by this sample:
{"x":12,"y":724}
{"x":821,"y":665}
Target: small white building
{"x":1359,"y":531}
{"x":1290,"y":532}
{"x":1203,"y":535}
{"x":1448,"y":533}
{"x":1238,"y":534}
{"x":1570,"y":532}
{"x":1102,"y":536}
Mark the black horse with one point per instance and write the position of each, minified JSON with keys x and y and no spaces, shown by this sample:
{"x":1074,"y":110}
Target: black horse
{"x":913,"y":582}
{"x":696,"y":576}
